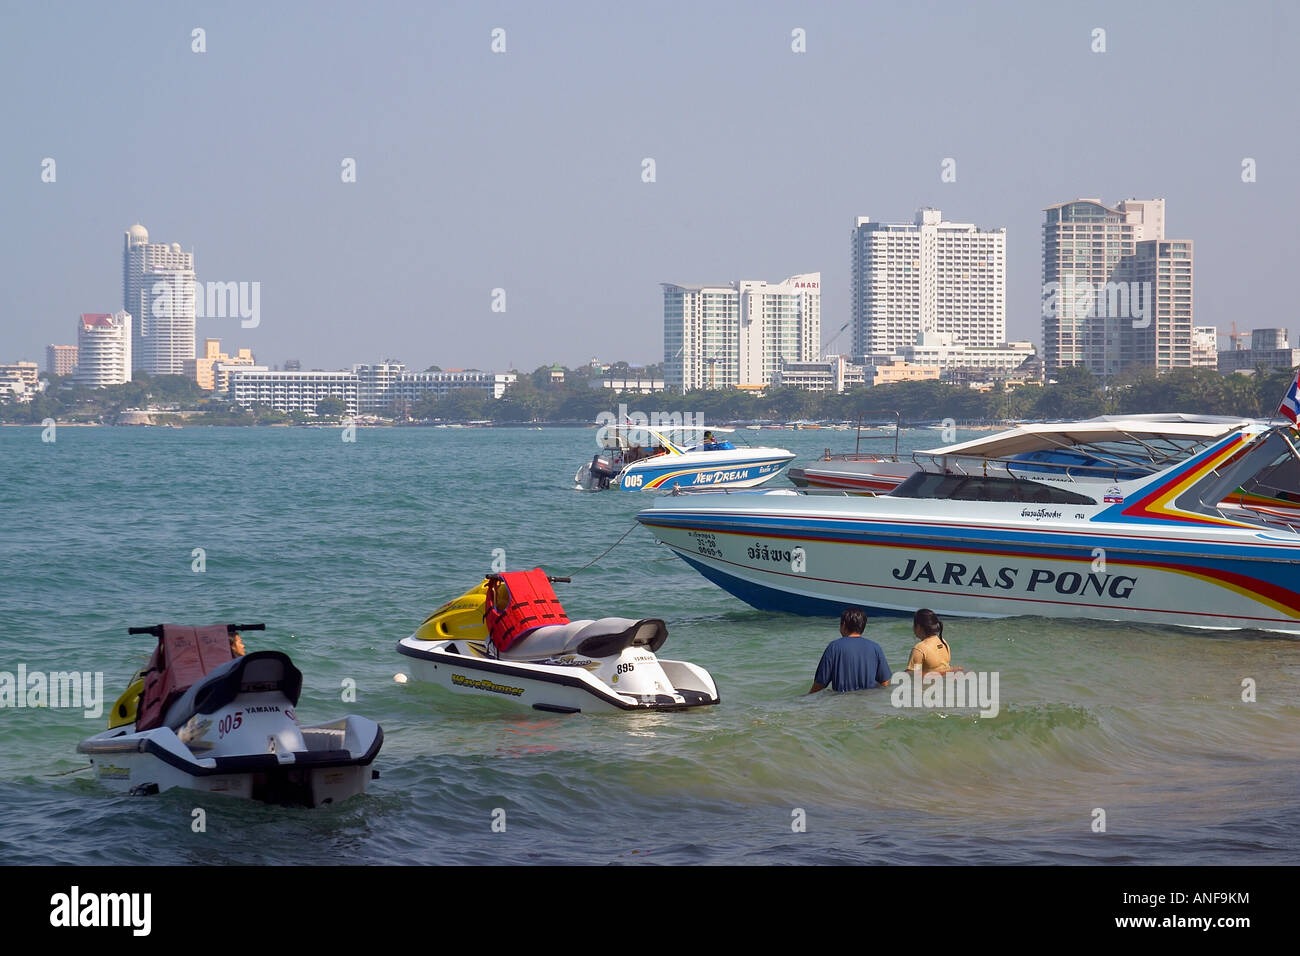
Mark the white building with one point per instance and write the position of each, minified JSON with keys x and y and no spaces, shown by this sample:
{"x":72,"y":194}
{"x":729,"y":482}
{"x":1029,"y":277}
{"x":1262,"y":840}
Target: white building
{"x":739,"y":335}
{"x":376,"y":383}
{"x":410,"y":387}
{"x":1205,"y":346}
{"x":103,"y":349}
{"x":291,"y":391}
{"x":927,"y":276}
{"x":639,"y":384}
{"x":158,"y":291}
{"x":834,"y":374}
{"x":945,"y":353}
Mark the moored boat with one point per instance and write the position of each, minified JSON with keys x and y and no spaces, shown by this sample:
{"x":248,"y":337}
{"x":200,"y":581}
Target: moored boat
{"x":200,"y":718}
{"x":657,"y":462}
{"x":1171,"y":532}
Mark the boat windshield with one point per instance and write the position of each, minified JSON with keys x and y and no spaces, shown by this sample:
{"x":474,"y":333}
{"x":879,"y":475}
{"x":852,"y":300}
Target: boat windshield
{"x":927,"y":484}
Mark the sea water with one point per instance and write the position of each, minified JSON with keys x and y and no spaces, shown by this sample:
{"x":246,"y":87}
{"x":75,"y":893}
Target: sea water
{"x":1112,"y":743}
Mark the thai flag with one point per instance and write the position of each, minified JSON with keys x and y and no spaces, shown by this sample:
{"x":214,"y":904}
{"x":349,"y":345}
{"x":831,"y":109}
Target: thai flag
{"x":1290,"y":406}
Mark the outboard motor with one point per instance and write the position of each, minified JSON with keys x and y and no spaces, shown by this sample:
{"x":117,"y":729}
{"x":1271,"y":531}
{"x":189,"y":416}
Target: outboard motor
{"x":601,"y":472}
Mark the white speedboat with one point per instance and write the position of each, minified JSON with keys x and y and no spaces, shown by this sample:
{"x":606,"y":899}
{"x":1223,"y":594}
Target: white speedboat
{"x":637,"y":458}
{"x":509,"y":639}
{"x":201,"y":719}
{"x":1200,"y":528}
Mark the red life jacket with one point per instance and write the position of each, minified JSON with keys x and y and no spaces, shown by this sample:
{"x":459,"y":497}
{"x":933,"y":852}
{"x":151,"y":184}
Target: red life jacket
{"x":530,"y":603}
{"x":182,"y":657}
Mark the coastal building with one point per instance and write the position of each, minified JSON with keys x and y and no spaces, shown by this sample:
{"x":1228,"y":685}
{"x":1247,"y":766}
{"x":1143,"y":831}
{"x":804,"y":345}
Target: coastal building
{"x":221,"y":374}
{"x":1269,"y":349}
{"x":376,"y":385}
{"x":201,"y":369}
{"x":103,"y":349}
{"x":926,"y":276}
{"x":942,"y":351}
{"x":739,"y":334}
{"x":1116,"y":293}
{"x":410,"y":387}
{"x":291,"y":391}
{"x":1205,"y":347}
{"x":60,"y":359}
{"x":1160,"y":272}
{"x":158,"y":290}
{"x":19,"y":381}
{"x":835,"y":373}
{"x":893,"y":372}
{"x":26,"y":373}
{"x":640,"y":384}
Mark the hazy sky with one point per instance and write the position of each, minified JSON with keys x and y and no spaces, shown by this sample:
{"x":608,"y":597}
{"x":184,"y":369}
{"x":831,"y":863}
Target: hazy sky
{"x":523,"y":170}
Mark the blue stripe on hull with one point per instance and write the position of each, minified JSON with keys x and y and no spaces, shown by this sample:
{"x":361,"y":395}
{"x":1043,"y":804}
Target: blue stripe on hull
{"x":771,"y":599}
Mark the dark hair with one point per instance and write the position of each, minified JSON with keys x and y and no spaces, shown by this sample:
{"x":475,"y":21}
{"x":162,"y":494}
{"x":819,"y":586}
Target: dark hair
{"x":853,"y":620}
{"x":929,"y":622}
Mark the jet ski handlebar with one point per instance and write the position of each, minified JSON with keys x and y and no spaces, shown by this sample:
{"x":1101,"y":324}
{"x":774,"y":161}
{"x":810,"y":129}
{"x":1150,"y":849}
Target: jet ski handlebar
{"x":157,"y":629}
{"x":554,"y":579}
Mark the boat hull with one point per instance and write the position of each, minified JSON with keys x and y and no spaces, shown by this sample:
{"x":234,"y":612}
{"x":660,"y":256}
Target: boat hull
{"x":813,"y":560}
{"x":666,"y":472}
{"x":564,"y":689}
{"x":156,"y":761}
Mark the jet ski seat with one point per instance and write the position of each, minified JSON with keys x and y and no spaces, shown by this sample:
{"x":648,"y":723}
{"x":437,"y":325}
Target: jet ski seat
{"x":603,"y":638}
{"x":258,"y":672}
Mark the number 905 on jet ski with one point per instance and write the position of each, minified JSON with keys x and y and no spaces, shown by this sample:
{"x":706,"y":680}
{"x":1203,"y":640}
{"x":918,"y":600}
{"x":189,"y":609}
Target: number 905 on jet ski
{"x":204,"y":716}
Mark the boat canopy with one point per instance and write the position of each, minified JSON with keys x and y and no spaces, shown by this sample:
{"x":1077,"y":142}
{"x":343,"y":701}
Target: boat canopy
{"x":1176,"y":432}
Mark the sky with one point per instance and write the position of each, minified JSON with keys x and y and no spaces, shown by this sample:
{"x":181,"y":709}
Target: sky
{"x":523,"y":170}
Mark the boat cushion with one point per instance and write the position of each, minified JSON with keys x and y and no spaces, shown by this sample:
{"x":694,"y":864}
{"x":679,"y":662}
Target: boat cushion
{"x":602,"y":638}
{"x":259,"y":672}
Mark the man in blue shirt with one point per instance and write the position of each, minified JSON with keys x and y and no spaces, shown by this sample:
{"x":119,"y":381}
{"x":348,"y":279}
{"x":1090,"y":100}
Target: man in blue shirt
{"x":853,"y":662}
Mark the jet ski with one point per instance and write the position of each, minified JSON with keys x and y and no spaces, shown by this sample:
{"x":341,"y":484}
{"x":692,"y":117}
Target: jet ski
{"x":201,"y":718}
{"x":509,"y":639}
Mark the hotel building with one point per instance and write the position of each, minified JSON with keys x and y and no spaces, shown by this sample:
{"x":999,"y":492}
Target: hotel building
{"x":60,"y":359}
{"x":103,"y":349}
{"x":739,"y":335}
{"x":158,"y":292}
{"x":926,"y":276}
{"x":1116,"y":293}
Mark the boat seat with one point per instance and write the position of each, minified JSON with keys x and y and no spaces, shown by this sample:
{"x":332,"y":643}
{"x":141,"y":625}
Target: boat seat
{"x":602,"y":638}
{"x":258,"y":672}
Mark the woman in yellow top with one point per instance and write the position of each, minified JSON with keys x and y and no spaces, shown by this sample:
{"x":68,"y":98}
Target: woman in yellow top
{"x":931,"y":652}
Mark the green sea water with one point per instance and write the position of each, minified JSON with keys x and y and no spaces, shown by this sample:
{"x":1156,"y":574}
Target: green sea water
{"x":343,"y":547}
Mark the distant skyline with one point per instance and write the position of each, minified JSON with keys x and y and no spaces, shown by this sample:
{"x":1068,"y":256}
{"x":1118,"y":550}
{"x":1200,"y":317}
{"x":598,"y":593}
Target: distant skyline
{"x":523,"y":170}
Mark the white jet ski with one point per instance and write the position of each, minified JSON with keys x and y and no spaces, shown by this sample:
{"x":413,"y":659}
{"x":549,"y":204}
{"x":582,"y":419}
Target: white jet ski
{"x":201,"y":718}
{"x":509,"y":639}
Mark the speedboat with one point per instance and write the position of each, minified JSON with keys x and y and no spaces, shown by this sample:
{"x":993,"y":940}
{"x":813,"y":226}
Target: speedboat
{"x":200,"y":718}
{"x":509,"y":639}
{"x":1199,"y":527}
{"x":637,"y":458}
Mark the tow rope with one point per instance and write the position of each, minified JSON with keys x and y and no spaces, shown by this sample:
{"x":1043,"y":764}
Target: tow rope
{"x":606,"y":551}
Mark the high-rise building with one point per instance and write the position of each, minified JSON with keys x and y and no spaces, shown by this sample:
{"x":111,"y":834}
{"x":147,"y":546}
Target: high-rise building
{"x":739,"y":335}
{"x":60,"y":359}
{"x":103,"y":349}
{"x":1116,"y":293}
{"x":927,"y":276}
{"x":1160,"y":272}
{"x":158,"y":291}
